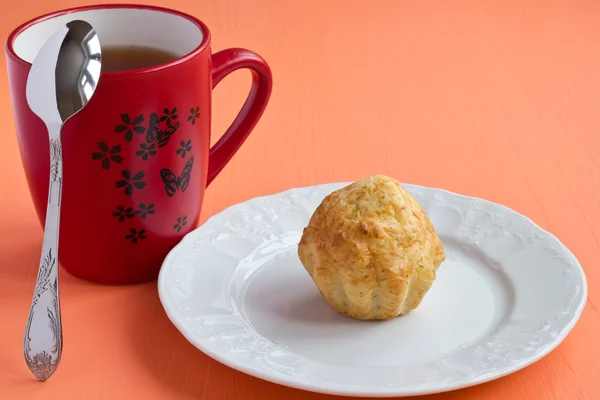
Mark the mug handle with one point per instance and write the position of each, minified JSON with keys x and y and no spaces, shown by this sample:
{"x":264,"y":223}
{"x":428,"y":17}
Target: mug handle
{"x":224,"y":63}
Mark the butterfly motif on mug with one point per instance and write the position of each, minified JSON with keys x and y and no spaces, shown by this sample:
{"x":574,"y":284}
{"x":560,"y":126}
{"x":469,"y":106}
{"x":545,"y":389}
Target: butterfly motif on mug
{"x":173,"y":182}
{"x":155,"y":133}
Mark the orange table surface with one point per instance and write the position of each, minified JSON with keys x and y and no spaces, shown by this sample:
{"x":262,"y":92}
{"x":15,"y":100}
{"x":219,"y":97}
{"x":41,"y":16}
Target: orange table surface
{"x":494,"y":99}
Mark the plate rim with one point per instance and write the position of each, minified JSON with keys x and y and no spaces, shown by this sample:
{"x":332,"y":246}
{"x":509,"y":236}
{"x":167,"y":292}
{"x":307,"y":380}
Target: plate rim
{"x":578,"y":310}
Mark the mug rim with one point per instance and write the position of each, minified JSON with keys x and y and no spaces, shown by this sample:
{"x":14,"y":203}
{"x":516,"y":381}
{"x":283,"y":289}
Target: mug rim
{"x":10,"y":51}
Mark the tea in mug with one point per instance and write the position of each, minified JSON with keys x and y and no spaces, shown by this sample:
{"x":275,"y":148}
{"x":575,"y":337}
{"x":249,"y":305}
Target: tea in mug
{"x":124,"y":58}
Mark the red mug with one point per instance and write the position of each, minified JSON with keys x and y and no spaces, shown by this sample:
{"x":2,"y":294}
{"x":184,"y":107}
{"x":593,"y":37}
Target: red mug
{"x":137,"y":158}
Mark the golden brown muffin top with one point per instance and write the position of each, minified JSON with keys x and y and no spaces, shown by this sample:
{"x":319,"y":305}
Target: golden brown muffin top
{"x":370,"y":232}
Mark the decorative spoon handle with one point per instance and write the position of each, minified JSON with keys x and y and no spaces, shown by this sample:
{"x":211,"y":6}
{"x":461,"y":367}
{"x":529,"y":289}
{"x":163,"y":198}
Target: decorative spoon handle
{"x":43,"y":334}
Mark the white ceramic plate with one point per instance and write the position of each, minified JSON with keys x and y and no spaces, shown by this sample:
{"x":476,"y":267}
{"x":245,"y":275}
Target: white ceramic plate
{"x":507,"y":294}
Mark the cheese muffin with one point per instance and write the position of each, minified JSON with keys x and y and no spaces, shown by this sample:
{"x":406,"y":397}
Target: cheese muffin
{"x":371,"y":249}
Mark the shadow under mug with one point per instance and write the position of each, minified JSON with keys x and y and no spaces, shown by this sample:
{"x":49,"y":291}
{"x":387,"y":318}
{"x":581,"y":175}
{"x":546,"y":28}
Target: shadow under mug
{"x":137,"y":158}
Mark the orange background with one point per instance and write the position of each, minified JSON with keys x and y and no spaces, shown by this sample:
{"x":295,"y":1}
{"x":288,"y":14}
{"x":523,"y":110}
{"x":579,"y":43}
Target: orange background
{"x":495,"y":99}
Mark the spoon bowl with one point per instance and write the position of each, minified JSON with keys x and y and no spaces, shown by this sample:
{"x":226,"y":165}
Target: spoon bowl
{"x":65,"y":73}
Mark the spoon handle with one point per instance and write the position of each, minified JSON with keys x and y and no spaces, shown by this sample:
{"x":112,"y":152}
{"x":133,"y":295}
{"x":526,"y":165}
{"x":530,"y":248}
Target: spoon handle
{"x":43,"y":333}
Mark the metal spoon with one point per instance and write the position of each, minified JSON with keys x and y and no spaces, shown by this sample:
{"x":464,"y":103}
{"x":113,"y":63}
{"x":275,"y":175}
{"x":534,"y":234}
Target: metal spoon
{"x":61,"y":81}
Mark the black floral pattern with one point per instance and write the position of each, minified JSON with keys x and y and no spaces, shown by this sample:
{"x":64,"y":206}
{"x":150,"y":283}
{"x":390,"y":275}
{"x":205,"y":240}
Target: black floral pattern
{"x":146,"y":150}
{"x":184,"y":148}
{"x":123,"y":213}
{"x":145,"y":210}
{"x":134,"y":235}
{"x":194,"y":115}
{"x":107,"y":155}
{"x":130,"y":182}
{"x":129,"y":126}
{"x":170,"y":116}
{"x":181,"y":222}
{"x":157,"y":129}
